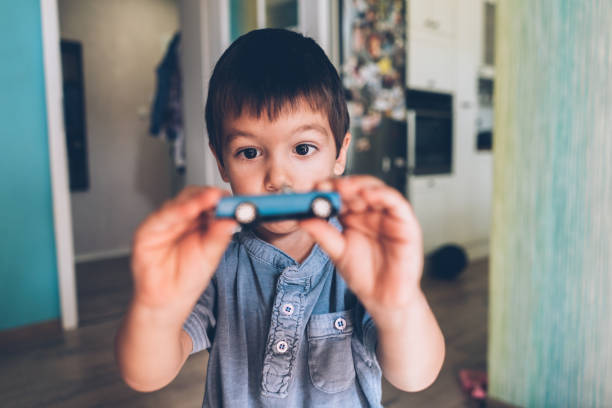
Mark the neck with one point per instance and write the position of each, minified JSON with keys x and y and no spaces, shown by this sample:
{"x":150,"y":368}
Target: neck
{"x":297,"y":244}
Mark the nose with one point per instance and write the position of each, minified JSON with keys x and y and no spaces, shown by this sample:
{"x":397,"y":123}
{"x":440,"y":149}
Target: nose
{"x":277,"y":177}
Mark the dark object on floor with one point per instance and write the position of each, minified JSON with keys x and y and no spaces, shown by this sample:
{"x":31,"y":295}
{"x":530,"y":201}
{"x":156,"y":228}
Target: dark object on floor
{"x":474,"y":383}
{"x":446,"y":262}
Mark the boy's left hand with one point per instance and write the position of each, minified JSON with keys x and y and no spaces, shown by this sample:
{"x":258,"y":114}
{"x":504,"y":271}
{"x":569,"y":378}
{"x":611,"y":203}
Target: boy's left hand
{"x":380,"y":252}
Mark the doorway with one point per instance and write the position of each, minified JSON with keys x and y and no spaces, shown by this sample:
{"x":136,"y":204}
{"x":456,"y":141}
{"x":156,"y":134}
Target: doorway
{"x":122,"y":173}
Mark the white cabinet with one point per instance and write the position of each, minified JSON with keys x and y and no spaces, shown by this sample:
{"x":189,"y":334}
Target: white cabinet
{"x":432,"y":44}
{"x":431,"y":64}
{"x":436,"y":17}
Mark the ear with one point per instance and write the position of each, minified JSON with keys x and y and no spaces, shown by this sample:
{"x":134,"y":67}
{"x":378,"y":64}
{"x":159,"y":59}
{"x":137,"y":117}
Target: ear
{"x":340,"y":164}
{"x":219,"y":165}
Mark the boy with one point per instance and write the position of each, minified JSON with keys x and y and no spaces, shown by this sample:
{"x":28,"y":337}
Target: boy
{"x":293,"y":313}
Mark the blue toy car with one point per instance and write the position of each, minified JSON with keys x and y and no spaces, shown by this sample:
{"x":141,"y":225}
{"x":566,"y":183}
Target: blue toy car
{"x":250,"y":209}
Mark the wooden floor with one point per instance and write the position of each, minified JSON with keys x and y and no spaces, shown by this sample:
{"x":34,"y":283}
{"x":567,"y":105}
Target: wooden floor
{"x":77,"y":369}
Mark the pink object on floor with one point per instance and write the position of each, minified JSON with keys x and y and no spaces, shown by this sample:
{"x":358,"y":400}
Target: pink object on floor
{"x":474,"y":383}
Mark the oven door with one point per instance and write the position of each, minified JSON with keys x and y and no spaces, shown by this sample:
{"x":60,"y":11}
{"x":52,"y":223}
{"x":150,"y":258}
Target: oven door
{"x":431,"y":142}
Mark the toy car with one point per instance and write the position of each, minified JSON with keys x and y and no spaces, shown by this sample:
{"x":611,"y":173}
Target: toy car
{"x":250,"y":209}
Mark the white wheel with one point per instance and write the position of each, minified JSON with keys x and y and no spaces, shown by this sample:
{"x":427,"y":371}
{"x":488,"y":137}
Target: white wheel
{"x":245,"y":213}
{"x":321,"y":207}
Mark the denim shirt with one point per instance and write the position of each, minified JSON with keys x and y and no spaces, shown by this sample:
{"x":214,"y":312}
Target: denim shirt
{"x":283,"y":334}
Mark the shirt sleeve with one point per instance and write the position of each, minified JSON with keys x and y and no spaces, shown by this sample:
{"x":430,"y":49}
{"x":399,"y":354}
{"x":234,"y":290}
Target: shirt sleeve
{"x":201,"y":323}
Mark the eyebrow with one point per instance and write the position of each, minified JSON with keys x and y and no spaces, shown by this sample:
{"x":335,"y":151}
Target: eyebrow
{"x":310,"y":126}
{"x":234,"y":133}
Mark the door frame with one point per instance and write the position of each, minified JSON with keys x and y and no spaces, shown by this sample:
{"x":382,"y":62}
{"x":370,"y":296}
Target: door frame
{"x":58,"y":163}
{"x":209,"y":30}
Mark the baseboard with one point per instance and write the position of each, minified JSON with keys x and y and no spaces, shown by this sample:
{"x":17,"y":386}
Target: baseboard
{"x":22,"y":338}
{"x":101,"y":255}
{"x":477,"y":250}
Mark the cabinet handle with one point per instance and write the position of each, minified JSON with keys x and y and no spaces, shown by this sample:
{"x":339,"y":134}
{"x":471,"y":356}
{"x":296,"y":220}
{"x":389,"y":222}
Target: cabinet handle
{"x":433,"y":24}
{"x":411,"y":145}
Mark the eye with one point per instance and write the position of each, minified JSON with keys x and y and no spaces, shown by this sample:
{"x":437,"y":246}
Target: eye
{"x":304,"y":149}
{"x":249,"y":153}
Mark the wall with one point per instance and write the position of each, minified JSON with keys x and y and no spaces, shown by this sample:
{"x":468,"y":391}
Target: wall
{"x":28,"y":271}
{"x":130,"y":172}
{"x":550,"y":325}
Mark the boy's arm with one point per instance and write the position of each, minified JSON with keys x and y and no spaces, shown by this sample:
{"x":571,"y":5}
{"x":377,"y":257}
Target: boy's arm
{"x":411,"y":351}
{"x":379,"y":254}
{"x":150,"y":348}
{"x":175,"y":253}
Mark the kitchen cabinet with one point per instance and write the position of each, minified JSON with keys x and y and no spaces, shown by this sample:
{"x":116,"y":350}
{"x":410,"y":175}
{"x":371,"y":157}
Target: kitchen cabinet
{"x":431,"y":45}
{"x":434,"y":17}
{"x":431,"y":64}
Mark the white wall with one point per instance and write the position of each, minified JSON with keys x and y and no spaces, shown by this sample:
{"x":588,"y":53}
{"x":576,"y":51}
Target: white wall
{"x":130,"y":172}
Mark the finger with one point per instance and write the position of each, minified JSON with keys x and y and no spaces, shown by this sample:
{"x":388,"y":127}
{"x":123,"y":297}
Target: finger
{"x":182,"y":211}
{"x":366,"y":223}
{"x":327,"y":236}
{"x":217,"y":236}
{"x":350,"y":192}
{"x":326,"y":185}
{"x":349,"y":189}
{"x":189,"y":206}
{"x":205,"y":248}
{"x":354,"y":204}
{"x":396,"y":208}
{"x":351,"y":185}
{"x":389,"y":200}
{"x":348,"y":184}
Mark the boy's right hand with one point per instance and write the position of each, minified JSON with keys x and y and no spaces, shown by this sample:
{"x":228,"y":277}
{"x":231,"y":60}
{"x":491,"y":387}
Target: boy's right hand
{"x":176,"y":251}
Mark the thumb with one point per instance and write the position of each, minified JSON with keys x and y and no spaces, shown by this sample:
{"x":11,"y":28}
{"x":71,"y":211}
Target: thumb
{"x":327,"y":236}
{"x":217,"y":237}
{"x":202,"y":253}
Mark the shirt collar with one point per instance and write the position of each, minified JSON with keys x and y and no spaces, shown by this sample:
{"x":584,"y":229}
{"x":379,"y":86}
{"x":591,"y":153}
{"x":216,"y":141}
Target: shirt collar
{"x":269,"y":254}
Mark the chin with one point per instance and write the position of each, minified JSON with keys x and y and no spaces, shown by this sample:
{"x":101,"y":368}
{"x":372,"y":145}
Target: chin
{"x":279,"y":227}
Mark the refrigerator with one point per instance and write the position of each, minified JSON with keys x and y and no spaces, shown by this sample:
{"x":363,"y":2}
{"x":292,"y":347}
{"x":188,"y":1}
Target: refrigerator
{"x":373,"y":66}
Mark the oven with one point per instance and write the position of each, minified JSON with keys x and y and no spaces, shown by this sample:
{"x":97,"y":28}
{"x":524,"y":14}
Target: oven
{"x":430,"y":132}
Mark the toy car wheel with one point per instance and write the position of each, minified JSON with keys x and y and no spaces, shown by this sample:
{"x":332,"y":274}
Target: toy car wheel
{"x":245,"y":213}
{"x":321,"y":207}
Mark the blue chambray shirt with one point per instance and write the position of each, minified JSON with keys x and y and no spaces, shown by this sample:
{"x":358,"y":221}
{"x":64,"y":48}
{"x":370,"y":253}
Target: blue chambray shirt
{"x":283,"y":334}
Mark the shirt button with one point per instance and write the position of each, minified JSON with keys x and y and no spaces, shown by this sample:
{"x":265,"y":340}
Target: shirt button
{"x":288,"y":309}
{"x":340,"y":324}
{"x":282,"y":347}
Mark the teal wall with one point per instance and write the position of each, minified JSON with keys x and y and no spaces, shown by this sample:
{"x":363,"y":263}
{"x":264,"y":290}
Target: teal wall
{"x":28,"y":271}
{"x":550,"y":331}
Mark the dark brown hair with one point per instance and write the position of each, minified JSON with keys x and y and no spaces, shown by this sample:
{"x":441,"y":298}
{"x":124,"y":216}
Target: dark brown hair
{"x":269,"y":71}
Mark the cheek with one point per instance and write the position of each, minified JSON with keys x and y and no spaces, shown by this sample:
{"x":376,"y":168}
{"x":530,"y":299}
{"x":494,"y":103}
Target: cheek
{"x":318,"y":169}
{"x":244,"y":183}
{"x":240,"y":177}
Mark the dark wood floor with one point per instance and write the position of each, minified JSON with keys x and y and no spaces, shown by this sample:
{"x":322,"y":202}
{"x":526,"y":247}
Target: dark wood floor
{"x":77,"y":369}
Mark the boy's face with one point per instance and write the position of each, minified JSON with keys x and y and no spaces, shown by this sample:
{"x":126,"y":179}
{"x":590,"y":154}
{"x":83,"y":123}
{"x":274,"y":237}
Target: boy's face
{"x":294,"y":151}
